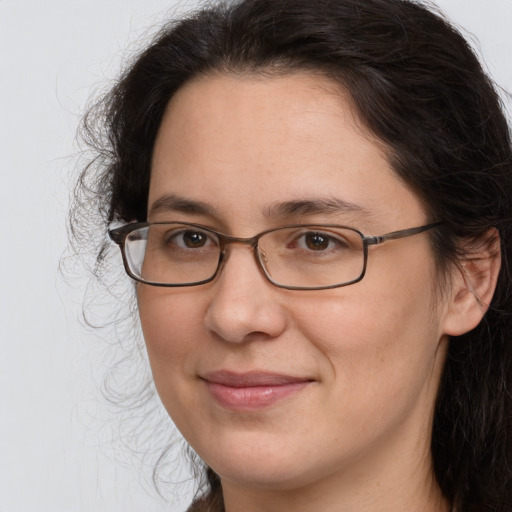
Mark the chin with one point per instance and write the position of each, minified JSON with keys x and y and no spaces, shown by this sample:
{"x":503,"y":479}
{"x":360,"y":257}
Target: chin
{"x":260,"y":462}
{"x":269,"y":476}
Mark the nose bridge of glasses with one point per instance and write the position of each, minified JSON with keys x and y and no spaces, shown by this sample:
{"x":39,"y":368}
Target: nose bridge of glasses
{"x":251,"y":243}
{"x":226,"y":241}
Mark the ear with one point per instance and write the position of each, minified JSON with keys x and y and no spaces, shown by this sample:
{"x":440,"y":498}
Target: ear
{"x":473,"y":283}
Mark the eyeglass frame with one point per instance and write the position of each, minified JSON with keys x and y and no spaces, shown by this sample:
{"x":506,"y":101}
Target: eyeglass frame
{"x":118,"y":236}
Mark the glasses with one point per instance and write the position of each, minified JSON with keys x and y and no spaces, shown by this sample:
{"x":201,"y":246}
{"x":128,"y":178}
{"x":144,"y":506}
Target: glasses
{"x":295,"y":257}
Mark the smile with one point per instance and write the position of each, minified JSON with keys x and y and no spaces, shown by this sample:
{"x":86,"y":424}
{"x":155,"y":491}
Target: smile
{"x":253,"y":390}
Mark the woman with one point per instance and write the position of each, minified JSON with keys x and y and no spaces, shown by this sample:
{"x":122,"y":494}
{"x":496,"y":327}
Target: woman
{"x":315,"y":202}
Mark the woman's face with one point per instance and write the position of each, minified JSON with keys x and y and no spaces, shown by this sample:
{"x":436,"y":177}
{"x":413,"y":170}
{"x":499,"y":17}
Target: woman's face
{"x":277,"y":388}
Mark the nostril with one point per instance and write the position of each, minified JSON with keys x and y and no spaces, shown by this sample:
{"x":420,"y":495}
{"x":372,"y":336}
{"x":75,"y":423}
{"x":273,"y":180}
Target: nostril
{"x":258,"y":335}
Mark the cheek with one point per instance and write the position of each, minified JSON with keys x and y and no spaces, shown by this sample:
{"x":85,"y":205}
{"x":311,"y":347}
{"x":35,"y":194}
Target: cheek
{"x":171,"y":322}
{"x":380,"y":339}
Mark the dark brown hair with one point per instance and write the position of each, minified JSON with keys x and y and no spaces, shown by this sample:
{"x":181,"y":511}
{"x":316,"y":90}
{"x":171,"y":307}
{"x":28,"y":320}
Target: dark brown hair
{"x":420,"y":90}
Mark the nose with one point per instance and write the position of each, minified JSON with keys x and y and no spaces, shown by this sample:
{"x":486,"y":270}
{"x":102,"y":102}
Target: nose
{"x":244,"y":305}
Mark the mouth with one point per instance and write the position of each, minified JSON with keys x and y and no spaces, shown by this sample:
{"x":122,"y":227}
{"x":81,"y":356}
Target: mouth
{"x":252,"y":390}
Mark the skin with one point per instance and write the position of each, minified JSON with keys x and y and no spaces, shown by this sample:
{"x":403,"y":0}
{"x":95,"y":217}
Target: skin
{"x":357,"y":437}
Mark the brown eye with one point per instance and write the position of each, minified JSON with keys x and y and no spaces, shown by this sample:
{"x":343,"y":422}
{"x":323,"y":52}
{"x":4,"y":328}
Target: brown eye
{"x":194,"y":239}
{"x":317,"y":241}
{"x":188,"y":239}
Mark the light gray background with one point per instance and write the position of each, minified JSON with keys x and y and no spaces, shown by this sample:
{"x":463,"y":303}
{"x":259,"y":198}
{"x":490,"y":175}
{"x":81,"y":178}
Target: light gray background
{"x":53,"y":54}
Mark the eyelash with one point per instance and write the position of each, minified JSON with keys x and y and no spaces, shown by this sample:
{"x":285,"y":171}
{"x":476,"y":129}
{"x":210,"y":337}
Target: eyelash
{"x":330,"y":238}
{"x":173,"y":236}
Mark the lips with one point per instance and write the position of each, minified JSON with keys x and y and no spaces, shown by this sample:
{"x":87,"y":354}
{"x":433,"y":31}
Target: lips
{"x":252,"y":390}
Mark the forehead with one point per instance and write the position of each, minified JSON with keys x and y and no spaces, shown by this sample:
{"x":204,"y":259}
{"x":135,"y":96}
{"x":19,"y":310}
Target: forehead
{"x":243,"y":143}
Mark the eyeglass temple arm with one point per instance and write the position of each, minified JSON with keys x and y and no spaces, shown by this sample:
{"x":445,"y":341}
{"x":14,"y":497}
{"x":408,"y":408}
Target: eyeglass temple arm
{"x":394,"y":235}
{"x":117,"y":235}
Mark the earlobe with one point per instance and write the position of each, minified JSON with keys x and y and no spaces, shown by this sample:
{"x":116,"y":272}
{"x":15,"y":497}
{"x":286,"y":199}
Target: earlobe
{"x":473,"y":284}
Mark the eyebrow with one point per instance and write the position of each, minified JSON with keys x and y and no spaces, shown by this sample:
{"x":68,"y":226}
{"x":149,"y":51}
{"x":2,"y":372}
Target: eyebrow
{"x":329,"y":205}
{"x":171,"y":202}
{"x":294,"y":208}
